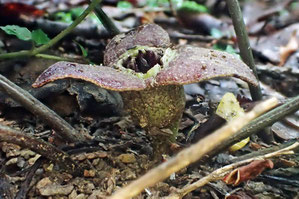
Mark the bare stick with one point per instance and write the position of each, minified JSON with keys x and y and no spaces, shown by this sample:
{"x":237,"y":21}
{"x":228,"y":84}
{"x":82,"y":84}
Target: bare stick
{"x":221,"y":172}
{"x":43,"y":148}
{"x":64,"y":129}
{"x":191,"y":154}
{"x":24,"y":188}
{"x":178,"y":35}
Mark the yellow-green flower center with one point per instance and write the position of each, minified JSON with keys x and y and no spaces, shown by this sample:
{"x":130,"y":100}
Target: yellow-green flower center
{"x":144,"y":61}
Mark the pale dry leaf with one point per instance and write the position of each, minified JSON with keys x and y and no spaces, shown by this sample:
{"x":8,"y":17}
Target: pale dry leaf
{"x":291,"y":47}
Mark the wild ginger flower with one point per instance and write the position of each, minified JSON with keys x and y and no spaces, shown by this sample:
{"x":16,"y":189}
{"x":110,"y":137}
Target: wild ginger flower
{"x":149,"y":73}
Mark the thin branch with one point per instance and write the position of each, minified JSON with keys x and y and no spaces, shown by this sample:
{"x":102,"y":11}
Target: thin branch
{"x":191,"y":154}
{"x":64,"y":129}
{"x":172,"y":9}
{"x":246,"y":54}
{"x":262,"y":151}
{"x":243,"y":42}
{"x":43,"y":148}
{"x":260,"y":123}
{"x":221,"y":172}
{"x":106,"y":21}
{"x":178,"y":35}
{"x":53,"y":57}
{"x":24,"y":188}
{"x":55,"y":39}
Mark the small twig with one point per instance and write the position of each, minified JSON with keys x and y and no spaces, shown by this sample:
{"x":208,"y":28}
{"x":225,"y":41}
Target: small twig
{"x":261,"y":152}
{"x":6,"y":189}
{"x":26,"y":184}
{"x":178,"y":35}
{"x":55,"y":39}
{"x":221,"y":172}
{"x":243,"y":42}
{"x":259,"y":123}
{"x":84,"y":30}
{"x":64,"y":129}
{"x":172,"y":9}
{"x":106,"y":21}
{"x":53,"y":57}
{"x":43,"y":148}
{"x":191,"y":154}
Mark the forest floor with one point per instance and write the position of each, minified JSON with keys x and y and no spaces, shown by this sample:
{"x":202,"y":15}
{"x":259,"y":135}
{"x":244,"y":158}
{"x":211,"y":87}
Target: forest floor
{"x":118,"y":151}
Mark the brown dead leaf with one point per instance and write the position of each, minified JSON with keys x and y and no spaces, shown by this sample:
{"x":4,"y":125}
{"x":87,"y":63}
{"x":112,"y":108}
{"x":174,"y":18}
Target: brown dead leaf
{"x":285,"y":131}
{"x":48,"y":188}
{"x":255,"y":146}
{"x":89,"y":173}
{"x":287,"y":50}
{"x":127,"y":158}
{"x":240,"y":195}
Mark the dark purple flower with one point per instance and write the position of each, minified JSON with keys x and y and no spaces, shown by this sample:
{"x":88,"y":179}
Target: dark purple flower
{"x":150,"y":72}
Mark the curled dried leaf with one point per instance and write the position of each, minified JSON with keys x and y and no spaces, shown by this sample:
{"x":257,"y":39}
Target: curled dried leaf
{"x":247,"y":172}
{"x":291,"y":47}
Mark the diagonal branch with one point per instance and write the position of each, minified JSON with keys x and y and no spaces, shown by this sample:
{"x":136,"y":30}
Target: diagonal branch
{"x":64,"y":129}
{"x":191,"y":154}
{"x":43,"y":148}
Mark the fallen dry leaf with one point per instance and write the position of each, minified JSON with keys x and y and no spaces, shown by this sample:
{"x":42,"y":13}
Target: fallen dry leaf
{"x":285,"y":131}
{"x":287,"y":50}
{"x":240,"y":195}
{"x":247,"y":172}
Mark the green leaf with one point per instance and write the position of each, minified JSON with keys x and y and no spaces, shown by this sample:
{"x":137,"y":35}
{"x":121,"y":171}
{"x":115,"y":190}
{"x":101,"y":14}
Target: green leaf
{"x":216,"y":33}
{"x":163,"y":3}
{"x":230,"y":49}
{"x":19,"y":32}
{"x":124,"y":5}
{"x":294,"y":6}
{"x":152,"y":3}
{"x":39,"y":37}
{"x":192,"y":6}
{"x":76,"y":12}
{"x":83,"y":50}
{"x":64,"y":17}
{"x":177,"y":3}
